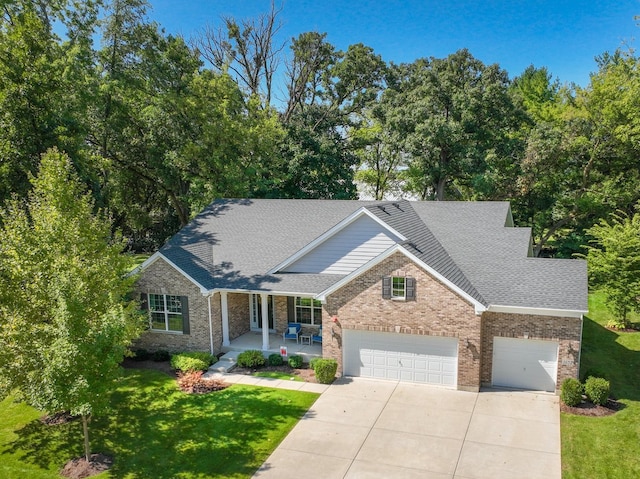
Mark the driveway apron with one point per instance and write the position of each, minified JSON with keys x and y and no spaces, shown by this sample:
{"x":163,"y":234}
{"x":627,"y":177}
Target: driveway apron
{"x":362,"y":428}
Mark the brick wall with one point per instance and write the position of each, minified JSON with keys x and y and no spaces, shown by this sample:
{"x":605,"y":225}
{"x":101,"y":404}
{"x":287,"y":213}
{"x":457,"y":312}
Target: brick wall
{"x":161,"y":278}
{"x":562,"y":329}
{"x":436,"y":311}
{"x":239,"y":320}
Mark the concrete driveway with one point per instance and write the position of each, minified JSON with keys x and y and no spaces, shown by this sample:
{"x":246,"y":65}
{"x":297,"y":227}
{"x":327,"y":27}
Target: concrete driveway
{"x":361,"y":428}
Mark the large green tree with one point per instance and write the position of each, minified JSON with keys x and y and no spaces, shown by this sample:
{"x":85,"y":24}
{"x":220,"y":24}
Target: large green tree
{"x":65,"y":321}
{"x":452,"y":114}
{"x":614,"y":264}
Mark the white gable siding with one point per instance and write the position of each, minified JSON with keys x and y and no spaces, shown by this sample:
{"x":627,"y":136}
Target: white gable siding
{"x":347,"y":250}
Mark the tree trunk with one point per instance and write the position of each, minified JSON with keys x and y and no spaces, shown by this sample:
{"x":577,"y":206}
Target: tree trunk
{"x":85,"y":430}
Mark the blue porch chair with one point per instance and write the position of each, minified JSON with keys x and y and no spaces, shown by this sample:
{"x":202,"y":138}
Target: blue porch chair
{"x":317,"y":338}
{"x":292,"y":332}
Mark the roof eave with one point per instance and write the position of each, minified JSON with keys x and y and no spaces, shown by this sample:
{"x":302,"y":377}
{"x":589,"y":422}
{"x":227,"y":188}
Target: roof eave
{"x":556,"y":312}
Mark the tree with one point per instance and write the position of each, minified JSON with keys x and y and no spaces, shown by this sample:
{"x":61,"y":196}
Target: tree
{"x":65,"y":322}
{"x":614,"y":263}
{"x":246,"y":49}
{"x":452,"y":114}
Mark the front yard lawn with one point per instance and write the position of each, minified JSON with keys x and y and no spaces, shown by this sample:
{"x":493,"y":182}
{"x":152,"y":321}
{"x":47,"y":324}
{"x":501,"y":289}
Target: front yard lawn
{"x":606,"y":447}
{"x":156,"y":431}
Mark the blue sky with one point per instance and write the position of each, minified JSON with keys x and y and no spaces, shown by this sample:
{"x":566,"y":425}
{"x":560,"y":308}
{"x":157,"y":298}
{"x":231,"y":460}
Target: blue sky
{"x":562,"y":35}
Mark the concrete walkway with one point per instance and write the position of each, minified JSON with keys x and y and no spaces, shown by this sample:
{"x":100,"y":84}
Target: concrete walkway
{"x":266,"y":382}
{"x":361,"y":428}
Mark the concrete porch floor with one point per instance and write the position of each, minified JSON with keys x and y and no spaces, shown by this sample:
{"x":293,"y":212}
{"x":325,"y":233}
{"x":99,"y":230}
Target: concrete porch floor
{"x":253,"y":340}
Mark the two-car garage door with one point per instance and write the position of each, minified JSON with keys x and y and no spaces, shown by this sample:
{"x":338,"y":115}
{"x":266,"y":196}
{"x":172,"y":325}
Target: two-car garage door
{"x":403,"y":357}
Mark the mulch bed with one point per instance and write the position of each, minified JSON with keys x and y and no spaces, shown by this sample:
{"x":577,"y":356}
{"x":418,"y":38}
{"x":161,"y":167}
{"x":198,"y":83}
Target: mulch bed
{"x":80,"y":468}
{"x":305,"y":373}
{"x":162,"y":366}
{"x":587,"y":408}
{"x":61,"y":417}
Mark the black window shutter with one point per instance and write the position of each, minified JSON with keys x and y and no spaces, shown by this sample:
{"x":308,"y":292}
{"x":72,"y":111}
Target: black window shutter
{"x":410,"y":284}
{"x":184,"y":301}
{"x":291,"y":309}
{"x":144,"y":302}
{"x":386,"y":287}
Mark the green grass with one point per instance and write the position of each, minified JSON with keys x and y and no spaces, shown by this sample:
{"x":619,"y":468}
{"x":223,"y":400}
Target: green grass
{"x":156,"y":431}
{"x":606,"y":447}
{"x":137,"y":259}
{"x":278,"y":375}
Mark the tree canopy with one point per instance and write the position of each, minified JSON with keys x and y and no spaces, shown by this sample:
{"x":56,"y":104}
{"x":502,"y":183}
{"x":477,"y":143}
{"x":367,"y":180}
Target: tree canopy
{"x":157,"y":126}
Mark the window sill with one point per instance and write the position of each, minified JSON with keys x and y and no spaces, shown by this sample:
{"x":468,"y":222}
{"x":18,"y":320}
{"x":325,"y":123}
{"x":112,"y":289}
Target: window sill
{"x":164,"y":331}
{"x":399,"y":299}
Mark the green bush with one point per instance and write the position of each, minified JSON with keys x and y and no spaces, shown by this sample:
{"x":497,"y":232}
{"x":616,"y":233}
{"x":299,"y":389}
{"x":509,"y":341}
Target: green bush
{"x":275,"y":360}
{"x":295,"y":361}
{"x":140,"y":355}
{"x":192,"y":361}
{"x":571,"y":392}
{"x":160,"y":355}
{"x":312,"y":363}
{"x":251,"y":358}
{"x":184,"y":363}
{"x":325,"y":370}
{"x":597,"y":390}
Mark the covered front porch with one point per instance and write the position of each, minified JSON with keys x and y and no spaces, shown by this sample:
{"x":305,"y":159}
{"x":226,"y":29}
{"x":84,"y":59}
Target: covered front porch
{"x":254,"y":340}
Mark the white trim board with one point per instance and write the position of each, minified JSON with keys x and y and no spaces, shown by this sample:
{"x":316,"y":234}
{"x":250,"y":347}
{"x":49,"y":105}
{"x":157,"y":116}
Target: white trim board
{"x":567,"y":313}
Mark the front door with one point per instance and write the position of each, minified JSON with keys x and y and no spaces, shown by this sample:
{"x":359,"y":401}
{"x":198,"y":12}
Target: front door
{"x":257,"y":313}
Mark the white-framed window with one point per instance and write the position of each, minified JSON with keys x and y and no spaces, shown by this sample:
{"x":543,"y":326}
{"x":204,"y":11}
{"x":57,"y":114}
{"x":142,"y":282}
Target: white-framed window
{"x":308,"y":311}
{"x":398,"y":287}
{"x":167,"y":312}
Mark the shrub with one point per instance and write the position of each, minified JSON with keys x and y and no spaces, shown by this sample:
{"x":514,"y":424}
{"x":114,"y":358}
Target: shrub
{"x":325,"y":370}
{"x":597,"y":390}
{"x":312,"y":363}
{"x":140,"y":355}
{"x":251,"y":358}
{"x":571,"y":392}
{"x":160,"y":355}
{"x":295,"y":361}
{"x":189,"y":362}
{"x":192,"y":382}
{"x":275,"y":360}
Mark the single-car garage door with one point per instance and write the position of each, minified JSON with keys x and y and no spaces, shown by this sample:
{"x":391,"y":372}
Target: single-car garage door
{"x":525,"y":363}
{"x":403,"y":357}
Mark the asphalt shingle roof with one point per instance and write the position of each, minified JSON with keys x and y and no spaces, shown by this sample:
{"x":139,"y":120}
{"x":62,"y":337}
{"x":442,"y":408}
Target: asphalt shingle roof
{"x":233,"y":244}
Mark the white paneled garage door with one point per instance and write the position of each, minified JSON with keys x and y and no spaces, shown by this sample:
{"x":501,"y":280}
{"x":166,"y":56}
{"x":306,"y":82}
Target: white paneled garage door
{"x":525,"y":363}
{"x":403,"y":357}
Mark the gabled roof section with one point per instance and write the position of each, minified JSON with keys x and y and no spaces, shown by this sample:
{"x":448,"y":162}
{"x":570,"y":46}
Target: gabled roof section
{"x":343,"y":248}
{"x":422,"y":243}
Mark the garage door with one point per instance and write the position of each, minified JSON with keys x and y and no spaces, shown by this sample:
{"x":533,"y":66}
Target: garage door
{"x":525,"y":363}
{"x":403,"y":357}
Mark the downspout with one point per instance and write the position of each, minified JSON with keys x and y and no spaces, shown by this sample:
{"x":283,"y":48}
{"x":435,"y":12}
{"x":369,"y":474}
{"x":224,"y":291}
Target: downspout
{"x":210,"y":323}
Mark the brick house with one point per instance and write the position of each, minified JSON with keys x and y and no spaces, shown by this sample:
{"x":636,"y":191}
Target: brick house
{"x":445,"y":293}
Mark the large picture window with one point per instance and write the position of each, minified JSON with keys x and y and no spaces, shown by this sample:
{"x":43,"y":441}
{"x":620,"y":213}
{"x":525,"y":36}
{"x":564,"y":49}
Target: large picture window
{"x":308,"y":311}
{"x":167,"y":312}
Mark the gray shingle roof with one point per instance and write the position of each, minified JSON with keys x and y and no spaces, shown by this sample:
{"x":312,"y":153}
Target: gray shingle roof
{"x":233,"y":244}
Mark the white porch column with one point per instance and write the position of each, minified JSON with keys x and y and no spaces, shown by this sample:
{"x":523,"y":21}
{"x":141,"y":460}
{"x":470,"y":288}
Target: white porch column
{"x":264,"y":300}
{"x":224,"y":310}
